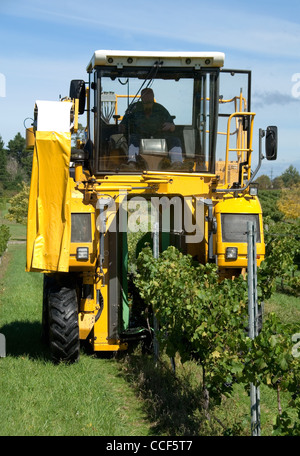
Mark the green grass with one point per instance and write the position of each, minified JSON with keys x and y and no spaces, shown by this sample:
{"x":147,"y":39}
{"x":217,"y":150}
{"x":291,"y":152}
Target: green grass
{"x":287,"y":307}
{"x":17,"y":231}
{"x":173,"y":403}
{"x":39,"y":398}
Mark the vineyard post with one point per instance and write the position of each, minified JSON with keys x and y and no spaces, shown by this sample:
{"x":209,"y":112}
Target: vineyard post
{"x":253,"y":322}
{"x":155,"y":234}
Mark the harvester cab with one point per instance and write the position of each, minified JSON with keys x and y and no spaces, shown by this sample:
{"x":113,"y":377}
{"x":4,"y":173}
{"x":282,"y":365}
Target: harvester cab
{"x":167,"y":143}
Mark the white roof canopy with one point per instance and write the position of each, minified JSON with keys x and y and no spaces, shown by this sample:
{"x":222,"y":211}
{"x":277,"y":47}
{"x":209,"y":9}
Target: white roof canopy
{"x":149,"y":58}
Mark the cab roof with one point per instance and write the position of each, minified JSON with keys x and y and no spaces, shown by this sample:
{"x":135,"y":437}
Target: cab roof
{"x":149,"y":58}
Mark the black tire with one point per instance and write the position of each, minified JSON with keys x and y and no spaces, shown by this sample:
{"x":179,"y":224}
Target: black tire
{"x":62,"y":306}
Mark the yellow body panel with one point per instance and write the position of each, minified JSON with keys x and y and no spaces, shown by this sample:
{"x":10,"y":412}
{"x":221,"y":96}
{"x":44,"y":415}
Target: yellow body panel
{"x":242,"y":205}
{"x":86,"y":323}
{"x":79,"y":205}
{"x":49,"y":215}
{"x":110,"y":346}
{"x":30,"y":138}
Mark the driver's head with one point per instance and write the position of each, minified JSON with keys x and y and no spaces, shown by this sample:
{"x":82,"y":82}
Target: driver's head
{"x":147,"y":96}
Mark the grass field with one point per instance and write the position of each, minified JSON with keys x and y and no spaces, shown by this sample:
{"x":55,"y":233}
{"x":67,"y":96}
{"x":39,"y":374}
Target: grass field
{"x":38,"y":398}
{"x":120,"y":396}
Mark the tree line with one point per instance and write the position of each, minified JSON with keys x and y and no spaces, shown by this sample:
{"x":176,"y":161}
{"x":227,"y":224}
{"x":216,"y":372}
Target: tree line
{"x":287,"y":179}
{"x":15,"y":165}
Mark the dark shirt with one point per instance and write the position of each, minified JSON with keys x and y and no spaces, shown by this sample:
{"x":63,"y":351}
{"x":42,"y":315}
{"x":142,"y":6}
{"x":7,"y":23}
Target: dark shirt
{"x":146,"y":125}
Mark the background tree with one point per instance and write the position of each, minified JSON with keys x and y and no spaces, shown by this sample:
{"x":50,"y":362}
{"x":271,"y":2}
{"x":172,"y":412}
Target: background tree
{"x":277,"y":183}
{"x":289,"y":203}
{"x":290,"y":176}
{"x":19,"y":161}
{"x":18,"y":209}
{"x":26,"y":164}
{"x":16,"y":147}
{"x":264,"y":182}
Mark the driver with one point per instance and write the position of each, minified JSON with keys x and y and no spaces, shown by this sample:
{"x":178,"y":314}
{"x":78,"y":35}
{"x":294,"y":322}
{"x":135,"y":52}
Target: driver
{"x":148,"y":119}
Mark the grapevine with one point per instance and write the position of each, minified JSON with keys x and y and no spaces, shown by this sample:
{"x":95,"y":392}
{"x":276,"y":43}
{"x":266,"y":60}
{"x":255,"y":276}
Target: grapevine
{"x":206,"y":320}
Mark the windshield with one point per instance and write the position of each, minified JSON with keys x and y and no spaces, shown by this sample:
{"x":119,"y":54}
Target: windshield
{"x":161,"y":122}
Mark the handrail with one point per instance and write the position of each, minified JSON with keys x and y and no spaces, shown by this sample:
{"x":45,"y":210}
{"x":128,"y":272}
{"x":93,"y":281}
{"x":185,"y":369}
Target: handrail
{"x":260,"y":158}
{"x":239,"y":149}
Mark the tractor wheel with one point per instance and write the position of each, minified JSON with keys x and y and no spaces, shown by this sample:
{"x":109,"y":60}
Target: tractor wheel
{"x":62,"y":306}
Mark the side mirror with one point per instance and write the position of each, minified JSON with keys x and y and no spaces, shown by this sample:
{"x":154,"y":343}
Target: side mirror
{"x":77,"y":90}
{"x":271,"y":143}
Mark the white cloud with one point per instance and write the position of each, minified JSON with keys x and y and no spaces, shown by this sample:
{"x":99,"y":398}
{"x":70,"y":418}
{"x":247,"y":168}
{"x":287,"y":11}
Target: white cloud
{"x":261,"y":99}
{"x":197,"y":23}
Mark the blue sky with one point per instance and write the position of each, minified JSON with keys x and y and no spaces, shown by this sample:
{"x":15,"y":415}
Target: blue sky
{"x":45,"y":44}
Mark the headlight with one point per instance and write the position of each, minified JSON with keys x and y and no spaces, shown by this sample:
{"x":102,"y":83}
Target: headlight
{"x":253,"y":189}
{"x":82,"y":253}
{"x":231,"y":253}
